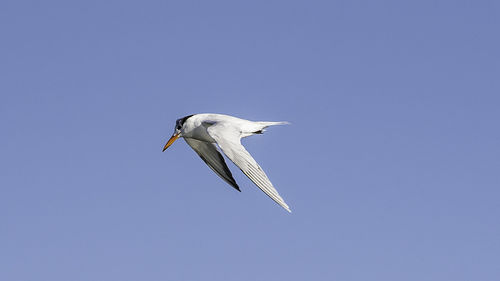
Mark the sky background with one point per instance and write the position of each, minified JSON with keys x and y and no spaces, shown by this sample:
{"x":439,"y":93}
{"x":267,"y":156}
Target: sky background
{"x":391,"y":163}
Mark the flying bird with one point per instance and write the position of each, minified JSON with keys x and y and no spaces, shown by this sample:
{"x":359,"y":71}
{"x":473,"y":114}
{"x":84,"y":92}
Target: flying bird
{"x":203,"y":131}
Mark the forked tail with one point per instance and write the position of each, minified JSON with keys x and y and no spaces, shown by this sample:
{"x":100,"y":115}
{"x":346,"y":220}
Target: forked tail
{"x":267,"y":124}
{"x":264,"y":125}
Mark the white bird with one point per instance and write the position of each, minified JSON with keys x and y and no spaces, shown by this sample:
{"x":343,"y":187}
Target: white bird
{"x":203,"y":131}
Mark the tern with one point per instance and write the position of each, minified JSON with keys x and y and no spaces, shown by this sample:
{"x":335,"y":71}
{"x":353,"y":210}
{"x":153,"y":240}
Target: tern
{"x":203,"y":131}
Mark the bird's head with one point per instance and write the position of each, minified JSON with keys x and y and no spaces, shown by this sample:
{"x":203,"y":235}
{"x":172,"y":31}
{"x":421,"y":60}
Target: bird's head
{"x":179,"y":126}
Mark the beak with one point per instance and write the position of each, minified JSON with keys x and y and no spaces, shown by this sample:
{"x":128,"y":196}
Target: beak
{"x":171,"y":141}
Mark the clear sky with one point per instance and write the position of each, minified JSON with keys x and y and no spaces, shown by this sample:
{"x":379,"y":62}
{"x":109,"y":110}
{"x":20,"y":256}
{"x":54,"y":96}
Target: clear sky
{"x":391,"y":164}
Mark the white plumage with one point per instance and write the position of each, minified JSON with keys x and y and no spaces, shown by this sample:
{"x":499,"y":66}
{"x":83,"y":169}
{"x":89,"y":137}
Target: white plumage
{"x":203,"y":131}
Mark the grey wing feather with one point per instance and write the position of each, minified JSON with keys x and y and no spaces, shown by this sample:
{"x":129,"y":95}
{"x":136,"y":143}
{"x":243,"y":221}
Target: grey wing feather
{"x":229,"y":142}
{"x":212,"y":157}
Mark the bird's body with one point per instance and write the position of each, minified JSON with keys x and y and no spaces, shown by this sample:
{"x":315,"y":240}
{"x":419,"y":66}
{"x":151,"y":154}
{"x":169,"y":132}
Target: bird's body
{"x":203,"y":131}
{"x":195,"y":126}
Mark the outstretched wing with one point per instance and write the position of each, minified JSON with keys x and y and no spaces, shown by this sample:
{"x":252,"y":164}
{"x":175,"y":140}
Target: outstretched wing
{"x":212,"y":157}
{"x":228,"y":139}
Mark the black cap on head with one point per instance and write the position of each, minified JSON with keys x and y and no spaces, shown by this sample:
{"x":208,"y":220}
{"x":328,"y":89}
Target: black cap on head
{"x":180,"y":121}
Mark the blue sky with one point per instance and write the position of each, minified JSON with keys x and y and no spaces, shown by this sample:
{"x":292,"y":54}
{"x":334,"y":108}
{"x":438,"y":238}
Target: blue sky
{"x":391,"y":164}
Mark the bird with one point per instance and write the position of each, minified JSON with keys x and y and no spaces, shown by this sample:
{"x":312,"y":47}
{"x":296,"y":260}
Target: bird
{"x":206,"y":131}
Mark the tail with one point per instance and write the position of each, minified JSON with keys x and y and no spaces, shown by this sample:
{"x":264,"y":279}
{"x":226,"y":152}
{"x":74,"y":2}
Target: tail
{"x":264,"y":125}
{"x":267,"y":124}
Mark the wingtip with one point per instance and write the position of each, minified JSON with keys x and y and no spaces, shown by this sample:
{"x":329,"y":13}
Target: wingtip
{"x":235,"y":186}
{"x":284,"y":205}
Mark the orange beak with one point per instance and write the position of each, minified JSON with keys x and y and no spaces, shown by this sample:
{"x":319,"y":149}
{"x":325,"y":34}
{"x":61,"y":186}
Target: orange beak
{"x":171,"y":141}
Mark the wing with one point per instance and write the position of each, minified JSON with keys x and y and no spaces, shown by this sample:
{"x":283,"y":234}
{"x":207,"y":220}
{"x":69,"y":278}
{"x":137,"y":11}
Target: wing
{"x":228,"y":139}
{"x":208,"y":152}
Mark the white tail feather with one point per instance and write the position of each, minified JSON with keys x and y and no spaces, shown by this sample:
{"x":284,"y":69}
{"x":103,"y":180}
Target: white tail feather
{"x":267,"y":124}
